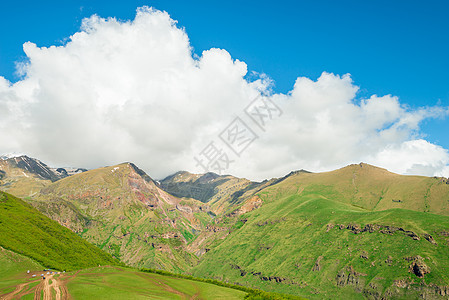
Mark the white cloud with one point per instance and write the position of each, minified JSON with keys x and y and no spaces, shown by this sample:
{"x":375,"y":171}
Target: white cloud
{"x":133,"y":91}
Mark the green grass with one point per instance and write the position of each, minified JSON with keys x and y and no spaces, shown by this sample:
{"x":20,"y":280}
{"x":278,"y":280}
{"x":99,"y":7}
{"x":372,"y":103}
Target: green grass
{"x":26,"y":231}
{"x":124,"y":283}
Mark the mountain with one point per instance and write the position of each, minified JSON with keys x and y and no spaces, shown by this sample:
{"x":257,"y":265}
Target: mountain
{"x":123,"y":211}
{"x":357,"y":232}
{"x":340,"y":235}
{"x":24,"y":176}
{"x":223,"y":193}
{"x":26,"y":231}
{"x":377,"y":189}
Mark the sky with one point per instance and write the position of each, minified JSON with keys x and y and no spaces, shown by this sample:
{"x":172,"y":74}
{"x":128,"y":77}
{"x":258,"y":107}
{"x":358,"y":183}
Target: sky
{"x":90,"y":83}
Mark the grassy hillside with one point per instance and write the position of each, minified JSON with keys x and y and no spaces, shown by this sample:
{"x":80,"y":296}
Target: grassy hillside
{"x":309,"y":239}
{"x":377,"y":189}
{"x":26,"y":231}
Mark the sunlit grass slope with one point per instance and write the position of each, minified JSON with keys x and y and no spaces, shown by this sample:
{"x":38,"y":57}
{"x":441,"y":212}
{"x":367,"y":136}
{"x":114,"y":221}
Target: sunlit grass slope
{"x":25,"y":230}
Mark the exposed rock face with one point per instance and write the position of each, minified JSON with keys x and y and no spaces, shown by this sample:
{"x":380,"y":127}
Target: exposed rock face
{"x":429,"y":238}
{"x":389,"y":260}
{"x":418,"y":267}
{"x":424,"y":291}
{"x":371,"y":228}
{"x":354,"y":228}
{"x":250,"y":205}
{"x":364,"y":255}
{"x":261,"y":276}
{"x":317,"y":266}
{"x":271,"y":222}
{"x":349,"y":276}
{"x":385,"y":229}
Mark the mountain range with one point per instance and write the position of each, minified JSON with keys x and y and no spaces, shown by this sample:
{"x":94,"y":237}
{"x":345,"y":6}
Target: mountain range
{"x":356,"y":232}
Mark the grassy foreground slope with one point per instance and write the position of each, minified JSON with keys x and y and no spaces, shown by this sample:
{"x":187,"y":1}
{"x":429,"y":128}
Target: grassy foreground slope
{"x":310,"y":239}
{"x":106,"y":282}
{"x":25,"y":230}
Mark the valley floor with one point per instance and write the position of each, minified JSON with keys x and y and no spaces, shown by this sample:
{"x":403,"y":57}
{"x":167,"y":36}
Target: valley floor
{"x":111,"y":283}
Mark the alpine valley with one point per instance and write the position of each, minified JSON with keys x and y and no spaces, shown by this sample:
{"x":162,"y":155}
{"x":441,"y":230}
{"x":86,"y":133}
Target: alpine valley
{"x":353,"y":233}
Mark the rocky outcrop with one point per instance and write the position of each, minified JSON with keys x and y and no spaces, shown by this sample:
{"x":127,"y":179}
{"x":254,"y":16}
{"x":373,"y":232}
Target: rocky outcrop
{"x":270,"y":222}
{"x":364,"y":255}
{"x":384,"y":229}
{"x":249,"y":205}
{"x":418,"y":267}
{"x":349,"y":276}
{"x":262,"y":277}
{"x":317,"y":266}
{"x":421,"y":290}
{"x":213,"y":228}
{"x":429,"y":238}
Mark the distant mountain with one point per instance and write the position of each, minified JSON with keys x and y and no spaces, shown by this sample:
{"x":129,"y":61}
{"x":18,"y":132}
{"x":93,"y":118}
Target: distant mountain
{"x":26,"y":231}
{"x":223,"y":193}
{"x":38,"y":168}
{"x":24,"y":176}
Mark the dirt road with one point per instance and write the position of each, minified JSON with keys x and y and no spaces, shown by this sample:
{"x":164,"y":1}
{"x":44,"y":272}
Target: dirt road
{"x":50,"y":288}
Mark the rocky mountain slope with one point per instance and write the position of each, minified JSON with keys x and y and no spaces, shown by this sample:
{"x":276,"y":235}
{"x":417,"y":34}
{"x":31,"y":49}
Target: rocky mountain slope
{"x":123,"y":211}
{"x":24,"y":176}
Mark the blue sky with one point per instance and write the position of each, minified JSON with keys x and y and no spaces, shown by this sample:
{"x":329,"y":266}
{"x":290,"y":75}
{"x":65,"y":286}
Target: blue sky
{"x":389,"y":47}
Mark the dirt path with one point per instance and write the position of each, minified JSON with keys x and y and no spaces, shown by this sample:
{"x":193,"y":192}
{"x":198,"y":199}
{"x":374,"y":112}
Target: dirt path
{"x":18,"y":289}
{"x":47,"y":288}
{"x":37,"y":291}
{"x":55,"y":285}
{"x":44,"y":288}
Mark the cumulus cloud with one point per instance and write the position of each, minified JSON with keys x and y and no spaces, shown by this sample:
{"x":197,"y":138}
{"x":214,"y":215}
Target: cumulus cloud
{"x":133,"y":91}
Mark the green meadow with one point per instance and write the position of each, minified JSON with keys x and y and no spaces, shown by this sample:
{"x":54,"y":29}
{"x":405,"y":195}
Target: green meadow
{"x":124,"y":283}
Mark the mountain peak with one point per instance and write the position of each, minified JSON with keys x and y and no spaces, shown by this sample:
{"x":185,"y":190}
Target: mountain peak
{"x":11,"y":155}
{"x":365,"y":166}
